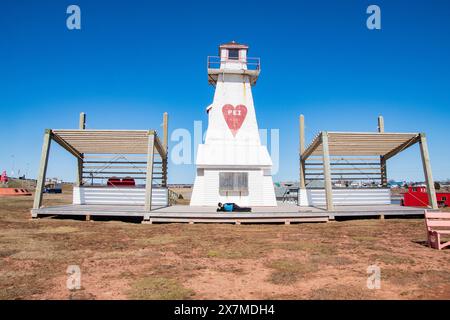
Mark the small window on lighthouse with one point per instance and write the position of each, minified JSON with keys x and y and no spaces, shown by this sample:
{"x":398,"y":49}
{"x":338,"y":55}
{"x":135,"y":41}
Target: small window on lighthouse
{"x":233,"y":54}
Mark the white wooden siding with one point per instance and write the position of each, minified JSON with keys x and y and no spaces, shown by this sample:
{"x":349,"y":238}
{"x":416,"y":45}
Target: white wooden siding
{"x":120,"y":196}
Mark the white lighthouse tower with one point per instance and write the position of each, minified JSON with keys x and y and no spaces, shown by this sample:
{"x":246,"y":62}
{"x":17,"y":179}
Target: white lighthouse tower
{"x":232,"y":165}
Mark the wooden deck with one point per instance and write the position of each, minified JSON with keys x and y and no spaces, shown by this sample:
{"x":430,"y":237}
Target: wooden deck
{"x":186,"y":214}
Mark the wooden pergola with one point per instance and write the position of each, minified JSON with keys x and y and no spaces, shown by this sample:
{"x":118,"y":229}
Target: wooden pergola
{"x":90,"y":147}
{"x":364,"y":154}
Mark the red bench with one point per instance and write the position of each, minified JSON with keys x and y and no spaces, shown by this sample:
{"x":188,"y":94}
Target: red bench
{"x":438,"y":224}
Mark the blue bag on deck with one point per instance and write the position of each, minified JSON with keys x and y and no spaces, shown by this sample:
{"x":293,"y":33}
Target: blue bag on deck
{"x":228,"y":207}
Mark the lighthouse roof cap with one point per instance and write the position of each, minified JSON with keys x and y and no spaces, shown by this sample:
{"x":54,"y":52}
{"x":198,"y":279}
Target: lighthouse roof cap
{"x":233,"y":45}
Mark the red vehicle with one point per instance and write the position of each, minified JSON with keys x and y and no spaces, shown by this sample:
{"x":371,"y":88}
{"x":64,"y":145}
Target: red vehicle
{"x":124,"y":182}
{"x":417,"y":196}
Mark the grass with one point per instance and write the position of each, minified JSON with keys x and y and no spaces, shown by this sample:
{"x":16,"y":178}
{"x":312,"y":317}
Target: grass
{"x":341,"y":292}
{"x":421,"y":278}
{"x":364,"y":238}
{"x":159,"y":288}
{"x":59,"y":230}
{"x":288,"y":271}
{"x":236,"y":252}
{"x":163,"y":239}
{"x":393,"y":259}
{"x":179,"y":261}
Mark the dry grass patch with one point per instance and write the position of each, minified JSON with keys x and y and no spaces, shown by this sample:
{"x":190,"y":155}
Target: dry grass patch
{"x":58,"y":230}
{"x":308,"y":247}
{"x":392,"y":259}
{"x":162,"y":239}
{"x":365,"y":238}
{"x":287,"y":271}
{"x":239,"y":252}
{"x":336,"y":261}
{"x":159,"y":288}
{"x":341,"y":292}
{"x":4,"y":253}
{"x":425,"y":279}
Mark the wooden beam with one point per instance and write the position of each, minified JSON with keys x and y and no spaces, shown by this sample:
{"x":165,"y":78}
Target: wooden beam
{"x":368,"y":133}
{"x":110,"y":167}
{"x":165,"y":130}
{"x":82,"y":123}
{"x":135,"y":178}
{"x":319,"y":158}
{"x":121,"y":162}
{"x":112,"y":157}
{"x":313,"y":146}
{"x":383,"y":169}
{"x":79,"y":179}
{"x":42,"y":170}
{"x":343,"y":178}
{"x":380,"y":124}
{"x":344,"y":173}
{"x":359,"y":169}
{"x":116,"y":172}
{"x":402,"y":147}
{"x":345,"y":163}
{"x":327,"y":172}
{"x":427,"y":171}
{"x":166,"y":147}
{"x":302,"y":149}
{"x":159,"y":146}
{"x":149,"y":177}
{"x":66,"y":146}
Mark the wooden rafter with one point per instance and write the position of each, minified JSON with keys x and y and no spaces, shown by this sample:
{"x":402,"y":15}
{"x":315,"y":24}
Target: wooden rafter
{"x":361,"y":144}
{"x":107,"y":141}
{"x":402,"y":147}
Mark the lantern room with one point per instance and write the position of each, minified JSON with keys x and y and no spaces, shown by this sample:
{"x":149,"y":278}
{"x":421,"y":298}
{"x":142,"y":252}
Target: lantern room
{"x":233,"y":59}
{"x":233,"y":54}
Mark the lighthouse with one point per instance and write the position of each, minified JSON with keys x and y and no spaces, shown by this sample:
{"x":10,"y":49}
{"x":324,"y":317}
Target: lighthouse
{"x":232,"y":165}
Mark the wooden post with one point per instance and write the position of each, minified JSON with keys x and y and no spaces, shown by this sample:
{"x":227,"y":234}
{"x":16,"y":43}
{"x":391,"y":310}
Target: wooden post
{"x":380,"y":124}
{"x":327,"y":172}
{"x":302,"y":149}
{"x":149,"y":177}
{"x":427,"y":171}
{"x":82,"y":123}
{"x":81,"y":126}
{"x":42,"y":170}
{"x":165,"y":130}
{"x":166,"y":148}
{"x":383,"y":169}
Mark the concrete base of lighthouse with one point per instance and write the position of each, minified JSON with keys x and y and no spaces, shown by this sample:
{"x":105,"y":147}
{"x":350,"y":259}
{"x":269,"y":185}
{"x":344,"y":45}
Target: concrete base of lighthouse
{"x":260,"y":189}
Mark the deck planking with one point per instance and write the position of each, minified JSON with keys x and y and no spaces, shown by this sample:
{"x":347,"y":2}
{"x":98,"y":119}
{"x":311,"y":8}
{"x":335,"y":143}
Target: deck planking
{"x":191,"y":214}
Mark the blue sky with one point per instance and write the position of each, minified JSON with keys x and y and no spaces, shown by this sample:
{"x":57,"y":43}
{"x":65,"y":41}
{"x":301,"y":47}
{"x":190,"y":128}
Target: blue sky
{"x":132,"y":60}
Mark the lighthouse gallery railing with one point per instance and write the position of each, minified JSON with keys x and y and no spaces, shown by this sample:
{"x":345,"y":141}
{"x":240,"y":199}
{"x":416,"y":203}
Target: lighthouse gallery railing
{"x":213,"y":62}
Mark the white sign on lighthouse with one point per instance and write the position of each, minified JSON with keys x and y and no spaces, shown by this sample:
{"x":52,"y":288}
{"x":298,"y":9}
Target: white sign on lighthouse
{"x":232,"y":165}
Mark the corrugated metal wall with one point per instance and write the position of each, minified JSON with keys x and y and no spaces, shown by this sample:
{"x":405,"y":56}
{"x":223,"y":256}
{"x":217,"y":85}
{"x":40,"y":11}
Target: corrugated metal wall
{"x":125,"y":196}
{"x":379,"y":196}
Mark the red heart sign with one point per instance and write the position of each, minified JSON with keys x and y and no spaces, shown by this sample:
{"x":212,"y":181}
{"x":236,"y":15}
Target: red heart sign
{"x":234,"y":116}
